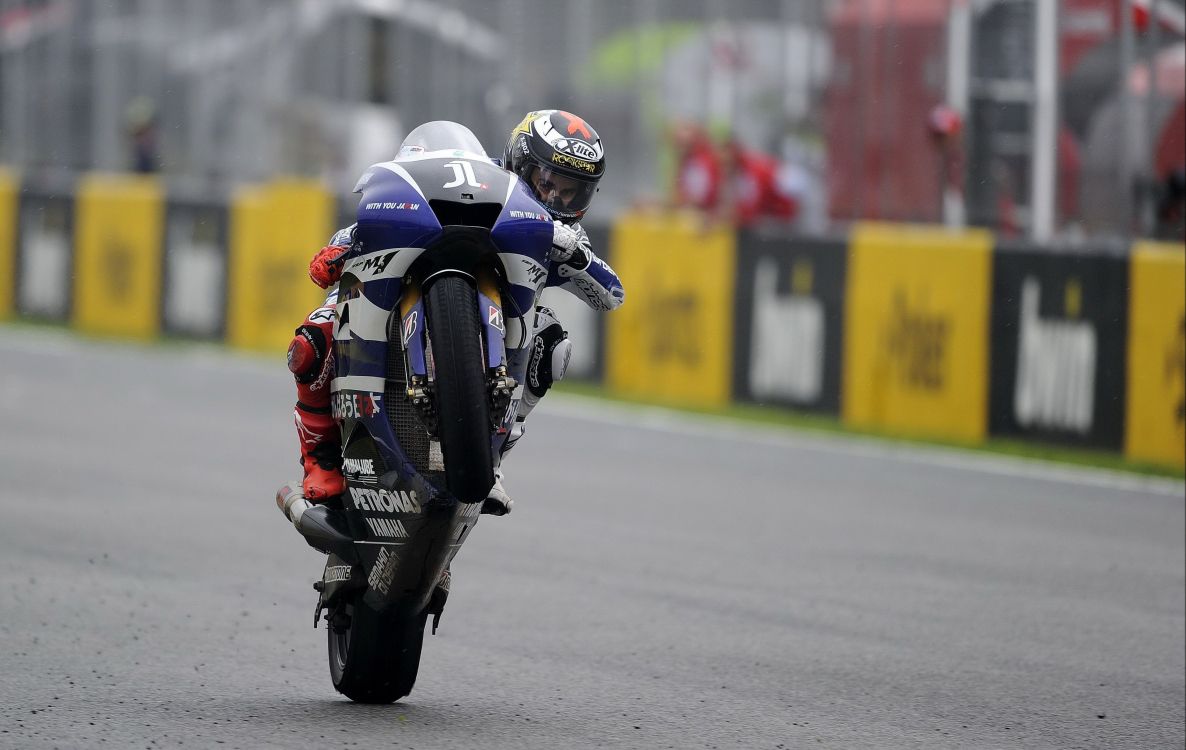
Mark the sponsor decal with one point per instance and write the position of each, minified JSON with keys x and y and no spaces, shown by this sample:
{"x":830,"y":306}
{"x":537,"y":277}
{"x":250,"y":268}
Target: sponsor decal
{"x":322,"y":315}
{"x":361,"y":466}
{"x":376,"y":264}
{"x":1175,"y":372}
{"x":787,"y":357}
{"x":344,"y":405}
{"x":385,"y":501}
{"x":463,"y":174}
{"x":494,"y":318}
{"x":591,"y":291}
{"x":537,"y":356}
{"x":572,"y":162}
{"x":383,"y":571}
{"x":389,"y":528}
{"x":1055,"y":364}
{"x":579,"y":149}
{"x":535,"y":272}
{"x":516,"y":214}
{"x":916,"y":342}
{"x":336,"y":573}
{"x":509,"y":414}
{"x":392,"y":205}
{"x":409,"y":327}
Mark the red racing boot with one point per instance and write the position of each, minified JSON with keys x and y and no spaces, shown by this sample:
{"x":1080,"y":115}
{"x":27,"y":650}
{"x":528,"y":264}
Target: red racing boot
{"x":310,"y":358}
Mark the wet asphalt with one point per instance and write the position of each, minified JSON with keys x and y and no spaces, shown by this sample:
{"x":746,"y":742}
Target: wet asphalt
{"x":662,"y":583}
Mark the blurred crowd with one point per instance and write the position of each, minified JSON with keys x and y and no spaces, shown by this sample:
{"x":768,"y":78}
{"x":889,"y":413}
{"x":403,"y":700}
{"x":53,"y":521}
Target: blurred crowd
{"x":729,"y":181}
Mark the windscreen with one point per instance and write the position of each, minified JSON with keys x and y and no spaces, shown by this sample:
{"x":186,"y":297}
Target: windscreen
{"x":440,"y":135}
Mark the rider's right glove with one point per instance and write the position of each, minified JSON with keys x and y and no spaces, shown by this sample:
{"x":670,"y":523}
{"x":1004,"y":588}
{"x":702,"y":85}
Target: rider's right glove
{"x":326,"y":267}
{"x":569,"y":246}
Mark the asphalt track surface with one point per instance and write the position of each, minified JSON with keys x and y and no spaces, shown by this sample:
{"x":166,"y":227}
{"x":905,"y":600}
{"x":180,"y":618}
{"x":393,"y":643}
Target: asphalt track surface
{"x":662,"y":583}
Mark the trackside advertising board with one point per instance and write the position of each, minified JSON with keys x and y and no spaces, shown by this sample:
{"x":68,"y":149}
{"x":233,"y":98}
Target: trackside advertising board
{"x":1155,"y":427}
{"x":45,"y":247}
{"x":8,"y":211}
{"x":789,"y":321}
{"x":275,"y":230}
{"x":916,"y":331}
{"x":117,"y":269}
{"x":194,"y":301}
{"x":671,"y":341}
{"x":1059,"y":323}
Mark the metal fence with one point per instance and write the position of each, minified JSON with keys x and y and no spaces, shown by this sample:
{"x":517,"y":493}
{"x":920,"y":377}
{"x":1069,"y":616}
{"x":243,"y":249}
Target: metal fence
{"x":220,"y":92}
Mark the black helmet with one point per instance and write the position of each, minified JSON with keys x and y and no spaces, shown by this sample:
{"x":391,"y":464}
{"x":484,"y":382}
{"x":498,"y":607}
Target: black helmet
{"x":560,"y":158}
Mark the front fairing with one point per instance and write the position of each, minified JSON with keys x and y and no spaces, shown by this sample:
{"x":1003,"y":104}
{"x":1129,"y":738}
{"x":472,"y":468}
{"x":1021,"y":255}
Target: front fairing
{"x":394,"y":474}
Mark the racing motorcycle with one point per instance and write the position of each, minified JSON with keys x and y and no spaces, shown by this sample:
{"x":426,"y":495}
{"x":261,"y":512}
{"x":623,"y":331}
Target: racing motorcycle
{"x":432,"y":335}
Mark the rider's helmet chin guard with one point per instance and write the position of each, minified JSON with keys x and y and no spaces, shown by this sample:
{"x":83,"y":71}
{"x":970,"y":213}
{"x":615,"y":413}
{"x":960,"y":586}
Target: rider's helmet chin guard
{"x":557,"y":144}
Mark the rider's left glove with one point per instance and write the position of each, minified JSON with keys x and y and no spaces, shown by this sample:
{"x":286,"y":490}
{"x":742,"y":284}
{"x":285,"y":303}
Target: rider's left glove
{"x":569,"y":246}
{"x":326,"y":267}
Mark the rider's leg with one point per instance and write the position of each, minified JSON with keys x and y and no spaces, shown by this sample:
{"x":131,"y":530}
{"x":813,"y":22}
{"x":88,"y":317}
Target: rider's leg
{"x":548,"y":360}
{"x":311,"y":360}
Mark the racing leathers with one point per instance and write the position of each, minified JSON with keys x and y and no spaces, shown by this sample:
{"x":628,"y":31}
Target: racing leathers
{"x":574,"y":268}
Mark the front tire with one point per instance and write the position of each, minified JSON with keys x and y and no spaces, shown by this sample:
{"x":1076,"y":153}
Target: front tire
{"x":374,"y":657}
{"x":463,"y":407}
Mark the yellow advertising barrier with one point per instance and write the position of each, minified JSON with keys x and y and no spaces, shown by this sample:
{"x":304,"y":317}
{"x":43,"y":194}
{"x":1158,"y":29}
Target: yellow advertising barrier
{"x":1155,"y":425}
{"x":8,"y":210}
{"x":275,"y":230}
{"x":672,"y":339}
{"x":916,"y":331}
{"x":117,"y":255}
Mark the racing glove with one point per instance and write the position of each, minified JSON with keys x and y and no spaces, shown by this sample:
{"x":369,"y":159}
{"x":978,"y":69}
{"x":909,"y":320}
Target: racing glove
{"x":326,"y":267}
{"x":570,"y":246}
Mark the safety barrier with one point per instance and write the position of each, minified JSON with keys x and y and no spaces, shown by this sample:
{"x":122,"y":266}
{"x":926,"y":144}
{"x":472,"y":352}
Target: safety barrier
{"x":910,"y":330}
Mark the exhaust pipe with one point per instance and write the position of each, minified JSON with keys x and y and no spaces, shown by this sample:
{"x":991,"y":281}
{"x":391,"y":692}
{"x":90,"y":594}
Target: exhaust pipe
{"x":323,"y":527}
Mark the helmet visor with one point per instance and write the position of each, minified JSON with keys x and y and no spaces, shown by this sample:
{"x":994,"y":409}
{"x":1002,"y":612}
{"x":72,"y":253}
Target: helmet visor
{"x":562,"y":193}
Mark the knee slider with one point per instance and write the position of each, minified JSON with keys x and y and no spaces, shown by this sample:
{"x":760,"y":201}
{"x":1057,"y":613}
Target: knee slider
{"x":550,"y":353}
{"x":307,"y":353}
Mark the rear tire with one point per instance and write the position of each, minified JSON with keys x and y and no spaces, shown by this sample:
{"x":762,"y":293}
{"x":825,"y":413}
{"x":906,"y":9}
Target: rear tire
{"x":375,"y":658}
{"x":463,"y":409}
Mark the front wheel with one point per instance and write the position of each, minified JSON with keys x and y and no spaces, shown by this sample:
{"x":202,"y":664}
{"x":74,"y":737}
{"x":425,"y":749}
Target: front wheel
{"x":463,"y":408}
{"x":374,"y":657}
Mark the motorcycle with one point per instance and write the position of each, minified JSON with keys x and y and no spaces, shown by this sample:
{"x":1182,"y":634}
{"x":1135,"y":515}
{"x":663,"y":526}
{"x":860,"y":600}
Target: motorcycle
{"x":431,"y":339}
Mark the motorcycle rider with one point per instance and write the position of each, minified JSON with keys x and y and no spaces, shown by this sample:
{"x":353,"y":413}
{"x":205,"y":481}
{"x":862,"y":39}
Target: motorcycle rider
{"x":561,"y":159}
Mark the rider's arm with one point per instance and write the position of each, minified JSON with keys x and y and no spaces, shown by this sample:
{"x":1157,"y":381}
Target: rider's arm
{"x":578,"y":270}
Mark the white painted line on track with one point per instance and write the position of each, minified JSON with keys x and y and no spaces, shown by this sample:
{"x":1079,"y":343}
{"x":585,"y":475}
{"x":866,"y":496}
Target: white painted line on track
{"x":676,"y":422}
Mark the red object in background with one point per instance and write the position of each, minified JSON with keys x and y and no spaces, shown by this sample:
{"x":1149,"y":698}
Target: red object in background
{"x":944,"y":122}
{"x":698,"y":167}
{"x":889,"y":57}
{"x":887,"y":54}
{"x":754,"y":188}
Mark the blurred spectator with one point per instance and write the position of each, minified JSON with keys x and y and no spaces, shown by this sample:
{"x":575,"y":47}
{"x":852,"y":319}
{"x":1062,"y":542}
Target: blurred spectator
{"x":141,"y":122}
{"x":754,"y":192}
{"x":945,"y":126}
{"x":801,"y":178}
{"x":1171,"y":205}
{"x":697,"y":168}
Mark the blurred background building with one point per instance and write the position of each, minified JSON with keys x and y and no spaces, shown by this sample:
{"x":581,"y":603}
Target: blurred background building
{"x":1045,"y":118}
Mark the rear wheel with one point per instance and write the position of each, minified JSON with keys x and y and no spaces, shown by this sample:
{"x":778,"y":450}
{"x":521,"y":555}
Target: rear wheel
{"x":373,"y":657}
{"x":463,"y":408}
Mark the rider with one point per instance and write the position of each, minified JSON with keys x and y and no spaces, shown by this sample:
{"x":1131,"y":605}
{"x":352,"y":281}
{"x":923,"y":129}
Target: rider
{"x":560,"y":157}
